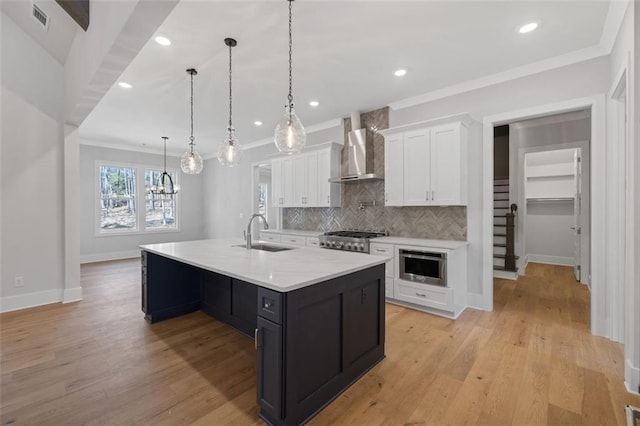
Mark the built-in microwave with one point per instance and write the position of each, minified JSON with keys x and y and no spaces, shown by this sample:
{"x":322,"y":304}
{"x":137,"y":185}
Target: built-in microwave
{"x":423,"y":267}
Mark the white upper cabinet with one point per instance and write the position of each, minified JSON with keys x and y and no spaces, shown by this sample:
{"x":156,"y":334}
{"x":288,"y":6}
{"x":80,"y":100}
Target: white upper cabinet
{"x":426,"y":165}
{"x":417,"y":170}
{"x":393,"y":167}
{"x":302,"y":180}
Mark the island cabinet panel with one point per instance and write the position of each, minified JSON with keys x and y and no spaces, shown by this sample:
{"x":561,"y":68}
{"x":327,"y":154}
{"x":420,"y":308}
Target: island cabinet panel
{"x":330,"y":334}
{"x":230,"y":300}
{"x":175,"y":290}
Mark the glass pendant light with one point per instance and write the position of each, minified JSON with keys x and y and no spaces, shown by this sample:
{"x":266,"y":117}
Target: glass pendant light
{"x":230,"y":151}
{"x":290,"y":136}
{"x":191,"y":161}
{"x":164,"y":185}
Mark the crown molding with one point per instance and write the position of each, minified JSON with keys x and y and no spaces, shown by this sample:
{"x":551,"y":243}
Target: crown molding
{"x":123,"y":147}
{"x":612,"y":23}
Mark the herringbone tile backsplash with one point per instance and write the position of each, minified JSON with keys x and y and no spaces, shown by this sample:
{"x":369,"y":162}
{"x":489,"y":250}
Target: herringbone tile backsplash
{"x":443,"y":223}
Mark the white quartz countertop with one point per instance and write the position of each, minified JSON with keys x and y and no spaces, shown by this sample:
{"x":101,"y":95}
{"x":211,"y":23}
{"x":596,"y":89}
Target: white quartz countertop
{"x":281,"y":271}
{"x":423,"y":242}
{"x":293,"y":232}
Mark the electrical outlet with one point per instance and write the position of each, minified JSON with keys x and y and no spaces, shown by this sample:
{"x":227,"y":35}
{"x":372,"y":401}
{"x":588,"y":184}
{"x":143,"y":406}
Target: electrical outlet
{"x":18,"y":282}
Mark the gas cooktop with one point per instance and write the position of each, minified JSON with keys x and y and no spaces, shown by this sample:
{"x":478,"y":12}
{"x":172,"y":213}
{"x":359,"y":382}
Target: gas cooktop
{"x":350,"y":240}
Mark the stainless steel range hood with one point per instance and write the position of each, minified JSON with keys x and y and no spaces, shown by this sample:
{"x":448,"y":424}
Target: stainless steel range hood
{"x":359,"y":159}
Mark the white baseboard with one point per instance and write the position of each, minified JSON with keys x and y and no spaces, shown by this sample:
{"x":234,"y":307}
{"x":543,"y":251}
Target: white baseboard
{"x":551,"y":260}
{"x":29,"y":300}
{"x":476,"y":301}
{"x":104,"y":257}
{"x":72,"y":295}
{"x":505,"y":275}
{"x":631,"y":378}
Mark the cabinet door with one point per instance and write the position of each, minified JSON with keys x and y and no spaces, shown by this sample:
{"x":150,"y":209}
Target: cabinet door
{"x":311,"y":181}
{"x":287,"y":182}
{"x":361,"y":311}
{"x":328,"y":167}
{"x":277,"y":197}
{"x":269,"y":367}
{"x":445,"y":165}
{"x":299,"y":180}
{"x":416,"y":168}
{"x":393,"y":170}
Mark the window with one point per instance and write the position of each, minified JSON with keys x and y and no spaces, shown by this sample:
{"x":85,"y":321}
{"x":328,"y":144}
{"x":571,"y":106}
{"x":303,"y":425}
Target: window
{"x":160,"y":211}
{"x":262,"y":199}
{"x":118,"y":198}
{"x":120,"y":189}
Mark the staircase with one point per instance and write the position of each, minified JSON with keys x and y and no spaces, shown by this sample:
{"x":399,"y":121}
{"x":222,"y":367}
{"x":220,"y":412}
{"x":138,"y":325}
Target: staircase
{"x":503,"y":231}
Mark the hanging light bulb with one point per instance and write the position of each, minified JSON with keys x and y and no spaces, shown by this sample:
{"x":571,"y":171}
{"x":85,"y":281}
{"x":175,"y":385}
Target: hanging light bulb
{"x":191,"y":161}
{"x":290,"y":136}
{"x":230,"y":151}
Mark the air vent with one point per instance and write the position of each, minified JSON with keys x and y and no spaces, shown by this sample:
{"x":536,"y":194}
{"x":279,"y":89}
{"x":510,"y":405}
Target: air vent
{"x":42,"y":18}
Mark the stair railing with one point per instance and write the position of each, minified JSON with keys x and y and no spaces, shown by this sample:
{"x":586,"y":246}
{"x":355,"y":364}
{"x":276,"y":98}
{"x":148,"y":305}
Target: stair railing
{"x":510,"y":255}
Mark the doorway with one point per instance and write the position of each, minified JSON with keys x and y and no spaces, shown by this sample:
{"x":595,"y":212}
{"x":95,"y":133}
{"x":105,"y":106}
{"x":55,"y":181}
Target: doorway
{"x":600,"y":313}
{"x":261,"y":197}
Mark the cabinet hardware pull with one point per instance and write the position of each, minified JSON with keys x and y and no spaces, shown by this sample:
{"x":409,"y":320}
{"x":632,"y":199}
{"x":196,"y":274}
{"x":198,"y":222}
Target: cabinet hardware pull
{"x":267,"y":304}
{"x":427,"y":195}
{"x":255,"y":339}
{"x":328,"y":199}
{"x":386,"y":197}
{"x":433,"y":195}
{"x":381,"y":250}
{"x":421,"y":294}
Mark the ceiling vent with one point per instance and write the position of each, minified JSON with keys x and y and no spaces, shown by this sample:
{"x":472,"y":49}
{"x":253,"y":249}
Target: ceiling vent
{"x":39,"y":15}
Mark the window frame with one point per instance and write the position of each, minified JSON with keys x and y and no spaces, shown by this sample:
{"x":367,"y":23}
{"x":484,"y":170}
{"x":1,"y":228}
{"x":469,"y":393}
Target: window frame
{"x":140,"y":196}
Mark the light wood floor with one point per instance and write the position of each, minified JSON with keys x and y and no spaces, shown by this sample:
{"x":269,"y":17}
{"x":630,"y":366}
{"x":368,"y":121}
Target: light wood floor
{"x":532,"y":361}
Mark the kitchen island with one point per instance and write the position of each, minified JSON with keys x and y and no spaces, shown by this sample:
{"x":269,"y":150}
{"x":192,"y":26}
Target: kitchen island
{"x":317,"y":316}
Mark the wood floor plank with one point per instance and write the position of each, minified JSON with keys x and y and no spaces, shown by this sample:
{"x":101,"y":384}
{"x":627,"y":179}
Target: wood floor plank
{"x":97,"y":362}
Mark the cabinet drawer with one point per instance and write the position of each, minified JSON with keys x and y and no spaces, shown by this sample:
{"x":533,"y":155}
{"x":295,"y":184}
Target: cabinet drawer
{"x":384,"y":250}
{"x":270,"y":305}
{"x":424,"y":294}
{"x":313,"y":242}
{"x":267,"y":236}
{"x":295,"y":240}
{"x":388,"y":288}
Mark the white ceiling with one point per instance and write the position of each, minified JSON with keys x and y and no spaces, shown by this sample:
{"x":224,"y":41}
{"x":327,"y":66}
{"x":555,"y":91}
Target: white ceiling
{"x":344,"y":56}
{"x":62,"y":28}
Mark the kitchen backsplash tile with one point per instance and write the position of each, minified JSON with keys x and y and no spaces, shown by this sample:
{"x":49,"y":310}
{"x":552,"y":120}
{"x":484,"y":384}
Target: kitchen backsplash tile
{"x":443,"y":223}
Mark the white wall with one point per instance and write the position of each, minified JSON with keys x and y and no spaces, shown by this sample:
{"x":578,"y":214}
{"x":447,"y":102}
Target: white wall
{"x":570,"y":82}
{"x":96,"y":248}
{"x":227,"y":203}
{"x":31,"y":173}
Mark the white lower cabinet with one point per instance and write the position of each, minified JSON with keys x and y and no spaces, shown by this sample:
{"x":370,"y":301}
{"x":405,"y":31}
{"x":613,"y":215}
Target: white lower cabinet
{"x":296,"y":240}
{"x":313,"y":241}
{"x":268,"y":236}
{"x":447,"y":301}
{"x":290,"y":238}
{"x":424,"y":294}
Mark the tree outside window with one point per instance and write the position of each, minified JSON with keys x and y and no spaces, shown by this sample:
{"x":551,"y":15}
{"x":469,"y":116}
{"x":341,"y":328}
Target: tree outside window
{"x":160,"y":211}
{"x":118,"y":199}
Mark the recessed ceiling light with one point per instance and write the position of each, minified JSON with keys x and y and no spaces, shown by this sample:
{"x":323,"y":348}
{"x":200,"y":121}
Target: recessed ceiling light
{"x":258,"y":123}
{"x":314,"y":103}
{"x":125,"y":85}
{"x":399,"y":73}
{"x":163,"y":41}
{"x":527,"y":28}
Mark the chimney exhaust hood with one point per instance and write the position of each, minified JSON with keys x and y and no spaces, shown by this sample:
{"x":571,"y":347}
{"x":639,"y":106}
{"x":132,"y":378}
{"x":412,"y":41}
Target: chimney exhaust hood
{"x":359,"y":158}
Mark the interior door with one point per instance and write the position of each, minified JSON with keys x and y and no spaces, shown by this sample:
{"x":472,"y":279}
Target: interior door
{"x":577,"y":213}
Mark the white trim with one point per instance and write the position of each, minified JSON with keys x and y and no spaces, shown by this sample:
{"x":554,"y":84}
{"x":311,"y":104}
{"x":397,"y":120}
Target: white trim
{"x":464,"y":117}
{"x":599,"y":320}
{"x":617,"y":209}
{"x":550,"y":260}
{"x":552,"y":119}
{"x":72,"y":295}
{"x":475,"y":301}
{"x":505,"y":275}
{"x":612,"y":23}
{"x":101,"y":144}
{"x":632,"y":378}
{"x":525,"y":263}
{"x":105,"y":257}
{"x":503,"y":76}
{"x":30,"y":300}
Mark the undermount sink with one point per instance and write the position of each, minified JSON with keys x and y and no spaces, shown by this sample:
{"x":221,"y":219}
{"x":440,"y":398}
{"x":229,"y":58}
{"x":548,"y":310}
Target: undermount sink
{"x":265,"y":247}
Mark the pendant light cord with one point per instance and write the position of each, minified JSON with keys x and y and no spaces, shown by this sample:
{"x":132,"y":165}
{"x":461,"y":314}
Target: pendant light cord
{"x":230,"y":97}
{"x":290,"y":97}
{"x":165,"y":153}
{"x":191,"y":138}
